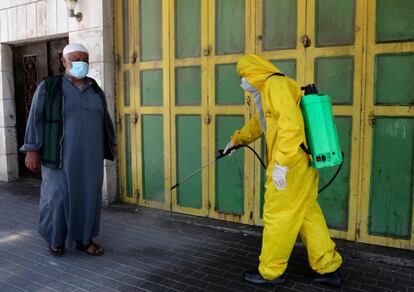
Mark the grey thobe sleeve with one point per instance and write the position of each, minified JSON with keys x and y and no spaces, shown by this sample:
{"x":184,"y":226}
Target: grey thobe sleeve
{"x":33,"y":138}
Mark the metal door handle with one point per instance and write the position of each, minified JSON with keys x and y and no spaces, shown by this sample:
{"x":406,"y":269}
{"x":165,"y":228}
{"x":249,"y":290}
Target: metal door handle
{"x":305,"y":40}
{"x":134,"y":118}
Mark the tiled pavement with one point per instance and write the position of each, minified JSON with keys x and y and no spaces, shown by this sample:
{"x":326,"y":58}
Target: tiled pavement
{"x":151,"y":250}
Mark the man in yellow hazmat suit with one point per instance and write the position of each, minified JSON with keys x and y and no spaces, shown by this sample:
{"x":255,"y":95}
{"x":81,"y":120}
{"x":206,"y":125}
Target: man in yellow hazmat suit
{"x":290,"y":206}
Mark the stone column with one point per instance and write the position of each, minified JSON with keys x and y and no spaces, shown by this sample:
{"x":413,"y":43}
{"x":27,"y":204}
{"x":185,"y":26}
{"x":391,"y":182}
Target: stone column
{"x":96,"y":32}
{"x":8,"y":140}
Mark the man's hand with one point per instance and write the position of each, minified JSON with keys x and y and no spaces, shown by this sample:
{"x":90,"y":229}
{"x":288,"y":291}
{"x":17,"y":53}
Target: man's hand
{"x":32,"y":161}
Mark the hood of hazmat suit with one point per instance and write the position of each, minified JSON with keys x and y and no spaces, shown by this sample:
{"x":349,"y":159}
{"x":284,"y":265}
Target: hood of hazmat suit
{"x":280,"y":101}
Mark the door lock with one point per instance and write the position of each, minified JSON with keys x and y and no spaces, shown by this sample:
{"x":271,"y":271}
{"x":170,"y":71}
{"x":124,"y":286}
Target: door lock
{"x":305,"y":40}
{"x":134,"y":118}
{"x":371,"y":119}
{"x":207,"y":119}
{"x":134,"y":57}
{"x":207,"y":51}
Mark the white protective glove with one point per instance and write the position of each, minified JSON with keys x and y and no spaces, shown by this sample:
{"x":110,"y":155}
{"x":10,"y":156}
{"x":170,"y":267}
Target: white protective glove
{"x":228,"y":146}
{"x":279,"y":176}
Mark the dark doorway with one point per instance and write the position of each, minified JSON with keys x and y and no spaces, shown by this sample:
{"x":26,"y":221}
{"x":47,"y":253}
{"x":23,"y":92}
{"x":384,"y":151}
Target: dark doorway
{"x":33,"y":62}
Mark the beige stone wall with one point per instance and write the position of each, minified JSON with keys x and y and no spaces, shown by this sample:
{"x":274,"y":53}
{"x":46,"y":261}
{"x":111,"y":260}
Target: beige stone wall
{"x":23,"y":21}
{"x":8,"y":141}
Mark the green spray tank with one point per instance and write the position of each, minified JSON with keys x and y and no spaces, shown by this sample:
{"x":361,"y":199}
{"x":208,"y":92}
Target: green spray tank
{"x":320,"y":128}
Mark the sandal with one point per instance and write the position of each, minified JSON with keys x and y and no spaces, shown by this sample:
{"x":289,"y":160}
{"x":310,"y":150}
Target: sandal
{"x":57,"y":250}
{"x":97,"y":249}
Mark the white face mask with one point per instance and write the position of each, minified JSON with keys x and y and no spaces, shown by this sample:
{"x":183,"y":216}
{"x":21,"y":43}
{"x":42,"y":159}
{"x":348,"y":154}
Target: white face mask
{"x":247,"y":86}
{"x":257,"y":100}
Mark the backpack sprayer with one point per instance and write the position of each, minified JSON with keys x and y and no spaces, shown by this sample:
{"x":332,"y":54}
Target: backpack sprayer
{"x":321,"y":134}
{"x":320,"y":128}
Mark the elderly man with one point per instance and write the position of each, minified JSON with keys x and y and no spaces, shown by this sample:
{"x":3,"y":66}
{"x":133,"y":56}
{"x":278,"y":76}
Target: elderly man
{"x":69,"y":134}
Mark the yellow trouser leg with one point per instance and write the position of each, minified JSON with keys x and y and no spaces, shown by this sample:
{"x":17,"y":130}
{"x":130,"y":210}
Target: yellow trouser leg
{"x":284,"y":212}
{"x":323,"y":257}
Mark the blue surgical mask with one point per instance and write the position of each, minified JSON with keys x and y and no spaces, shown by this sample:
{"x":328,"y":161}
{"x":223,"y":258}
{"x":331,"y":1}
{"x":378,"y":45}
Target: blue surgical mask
{"x":79,"y":69}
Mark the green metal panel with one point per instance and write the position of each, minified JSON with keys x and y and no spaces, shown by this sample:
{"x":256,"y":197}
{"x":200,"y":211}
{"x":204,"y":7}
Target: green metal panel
{"x":230,"y":169}
{"x":391,"y":197}
{"x":127,"y":97}
{"x":335,"y":22}
{"x":230,"y":26}
{"x":128,"y":165}
{"x":187,"y":28}
{"x":151,"y":87}
{"x":151,"y":29}
{"x":394,"y":79}
{"x":279,"y":24}
{"x":188,"y":160}
{"x":394,"y":21}
{"x":125,"y":31}
{"x":188,"y":85}
{"x":334,"y":200}
{"x":334,"y":76}
{"x":153,"y":157}
{"x":287,"y":67}
{"x":228,"y":91}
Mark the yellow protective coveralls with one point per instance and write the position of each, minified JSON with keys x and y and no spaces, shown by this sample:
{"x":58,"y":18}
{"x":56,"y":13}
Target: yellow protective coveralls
{"x":294,"y":210}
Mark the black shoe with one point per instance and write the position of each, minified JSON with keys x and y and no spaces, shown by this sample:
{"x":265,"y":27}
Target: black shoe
{"x":57,"y":250}
{"x":331,"y":279}
{"x":254,"y":277}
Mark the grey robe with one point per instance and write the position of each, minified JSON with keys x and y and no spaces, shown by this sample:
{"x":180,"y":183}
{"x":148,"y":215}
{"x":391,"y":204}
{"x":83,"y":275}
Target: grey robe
{"x":71,"y":196}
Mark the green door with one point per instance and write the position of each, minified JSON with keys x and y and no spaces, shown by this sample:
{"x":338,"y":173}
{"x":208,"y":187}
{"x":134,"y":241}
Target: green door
{"x":279,"y":28}
{"x":188,"y":93}
{"x":231,"y":178}
{"x":387,"y":207}
{"x":334,"y":63}
{"x":179,"y":101}
{"x":143,"y":103}
{"x":326,"y":49}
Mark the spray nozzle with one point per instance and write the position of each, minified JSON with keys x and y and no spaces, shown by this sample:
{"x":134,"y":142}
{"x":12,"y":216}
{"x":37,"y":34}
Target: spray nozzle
{"x":220,"y":152}
{"x":309,"y":89}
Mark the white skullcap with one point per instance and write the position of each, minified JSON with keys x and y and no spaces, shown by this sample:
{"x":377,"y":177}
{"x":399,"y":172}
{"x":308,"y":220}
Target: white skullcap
{"x":74,"y":47}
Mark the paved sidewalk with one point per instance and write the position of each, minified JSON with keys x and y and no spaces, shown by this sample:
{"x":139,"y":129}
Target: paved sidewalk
{"x":152,"y":250}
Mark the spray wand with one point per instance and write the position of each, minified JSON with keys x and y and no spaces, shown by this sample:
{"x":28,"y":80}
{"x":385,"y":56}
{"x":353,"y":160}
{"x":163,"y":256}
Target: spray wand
{"x":221,"y":154}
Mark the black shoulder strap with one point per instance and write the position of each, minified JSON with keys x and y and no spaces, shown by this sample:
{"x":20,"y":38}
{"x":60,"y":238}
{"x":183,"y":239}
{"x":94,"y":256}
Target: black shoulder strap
{"x":306,"y":150}
{"x":275,"y":74}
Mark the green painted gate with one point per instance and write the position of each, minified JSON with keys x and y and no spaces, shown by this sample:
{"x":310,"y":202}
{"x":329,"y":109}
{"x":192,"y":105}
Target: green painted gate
{"x":179,"y":101}
{"x":387,"y":180}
